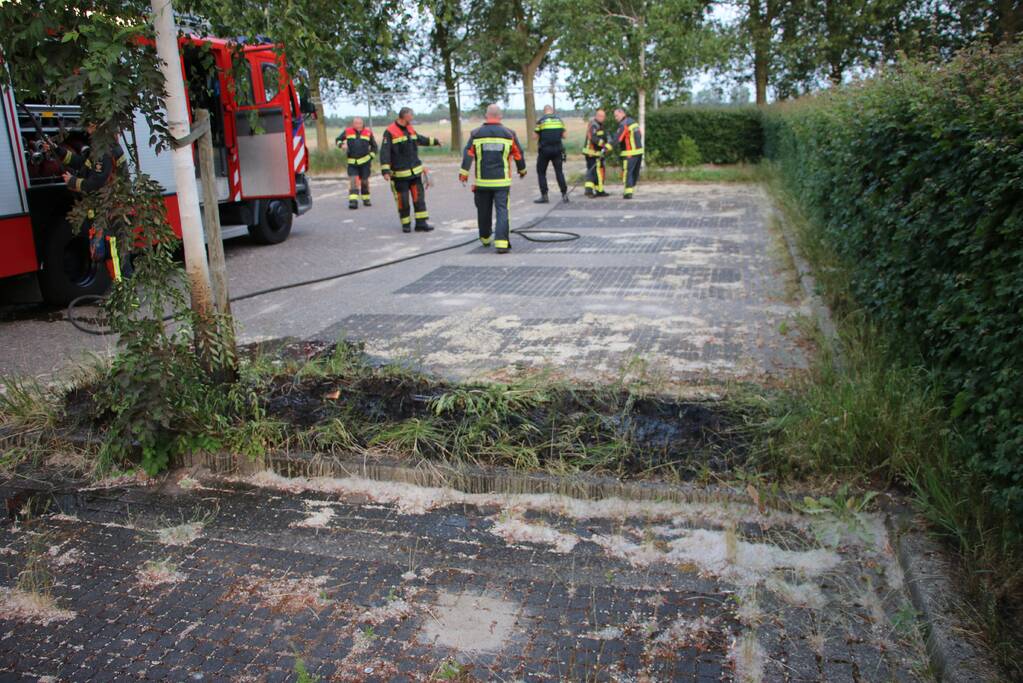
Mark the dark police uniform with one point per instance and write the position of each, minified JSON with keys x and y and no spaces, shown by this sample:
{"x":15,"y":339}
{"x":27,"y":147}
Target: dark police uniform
{"x":551,"y":131}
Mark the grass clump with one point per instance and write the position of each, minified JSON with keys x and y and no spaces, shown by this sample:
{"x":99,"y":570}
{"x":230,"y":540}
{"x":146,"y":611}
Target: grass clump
{"x":868,"y":412}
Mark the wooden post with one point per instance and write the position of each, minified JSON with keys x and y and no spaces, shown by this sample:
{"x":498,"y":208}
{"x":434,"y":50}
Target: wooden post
{"x":211,"y":216}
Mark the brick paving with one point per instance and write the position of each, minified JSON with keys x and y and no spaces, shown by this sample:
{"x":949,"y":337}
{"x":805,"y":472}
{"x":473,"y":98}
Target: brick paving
{"x":361,"y":588}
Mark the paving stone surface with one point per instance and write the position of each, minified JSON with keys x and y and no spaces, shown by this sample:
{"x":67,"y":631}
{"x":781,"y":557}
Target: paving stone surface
{"x":364,"y":581}
{"x":683,"y":280}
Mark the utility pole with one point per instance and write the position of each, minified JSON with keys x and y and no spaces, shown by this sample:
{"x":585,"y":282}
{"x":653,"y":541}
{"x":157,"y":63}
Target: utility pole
{"x":554,"y":91}
{"x":176,"y":104}
{"x":369,"y":110}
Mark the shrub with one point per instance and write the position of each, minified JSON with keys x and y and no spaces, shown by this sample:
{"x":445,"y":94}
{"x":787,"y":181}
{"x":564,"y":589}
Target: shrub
{"x":915,"y":179}
{"x":687,"y":152}
{"x":723,"y":135}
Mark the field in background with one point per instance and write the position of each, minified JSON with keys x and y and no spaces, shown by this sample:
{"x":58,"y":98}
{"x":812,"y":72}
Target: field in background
{"x":576,"y":131}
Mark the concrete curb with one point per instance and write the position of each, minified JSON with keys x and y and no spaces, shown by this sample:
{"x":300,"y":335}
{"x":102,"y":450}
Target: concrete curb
{"x":929,"y":570}
{"x":808,"y":283}
{"x":469,"y":478}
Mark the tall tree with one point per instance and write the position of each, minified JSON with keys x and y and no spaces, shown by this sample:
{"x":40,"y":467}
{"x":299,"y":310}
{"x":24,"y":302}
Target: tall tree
{"x":448,"y":35}
{"x":626,"y":50}
{"x":514,"y":37}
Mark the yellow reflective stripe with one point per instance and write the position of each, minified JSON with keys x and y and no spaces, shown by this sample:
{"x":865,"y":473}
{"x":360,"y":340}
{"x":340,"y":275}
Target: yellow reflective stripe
{"x":408,"y":172}
{"x":352,"y":197}
{"x":551,"y":125}
{"x":403,"y":138}
{"x":501,"y":244}
{"x":385,"y":167}
{"x":350,"y":137}
{"x":422,"y":214}
{"x":632,"y":152}
{"x":503,"y":141}
{"x":115,"y":258}
{"x":361,"y":160}
{"x":493,"y":182}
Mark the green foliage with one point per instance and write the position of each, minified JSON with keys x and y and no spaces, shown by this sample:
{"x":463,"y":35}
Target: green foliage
{"x":723,"y":135}
{"x":687,"y":152}
{"x":914,"y":179}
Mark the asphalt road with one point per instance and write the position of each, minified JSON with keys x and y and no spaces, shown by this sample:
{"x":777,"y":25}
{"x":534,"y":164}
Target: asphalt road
{"x":680,"y":278}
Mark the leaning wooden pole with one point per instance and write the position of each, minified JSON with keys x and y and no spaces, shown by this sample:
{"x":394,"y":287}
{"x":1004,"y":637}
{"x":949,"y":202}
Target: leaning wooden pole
{"x":211,"y":215}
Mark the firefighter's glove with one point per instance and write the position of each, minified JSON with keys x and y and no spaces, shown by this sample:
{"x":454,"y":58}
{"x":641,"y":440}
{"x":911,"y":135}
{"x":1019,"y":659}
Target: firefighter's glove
{"x":463,"y":178}
{"x":522,"y":173}
{"x":387,"y":176}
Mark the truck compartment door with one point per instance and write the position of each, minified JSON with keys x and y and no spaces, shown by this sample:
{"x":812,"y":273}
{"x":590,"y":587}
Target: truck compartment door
{"x":263,"y":152}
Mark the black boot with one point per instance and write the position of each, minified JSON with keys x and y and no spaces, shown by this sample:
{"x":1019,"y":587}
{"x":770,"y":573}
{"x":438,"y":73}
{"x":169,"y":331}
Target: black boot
{"x":544,"y":199}
{"x":589,"y":192}
{"x":564,"y":197}
{"x":423,"y":227}
{"x":366,"y":202}
{"x":602,"y":194}
{"x":406,"y":228}
{"x":353,"y":204}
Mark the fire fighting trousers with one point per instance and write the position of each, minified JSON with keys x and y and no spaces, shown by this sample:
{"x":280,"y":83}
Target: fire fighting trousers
{"x":596,"y":170}
{"x":358,"y":181}
{"x":549,"y":156}
{"x":491,"y":200}
{"x":409,"y":194}
{"x":630,"y":173}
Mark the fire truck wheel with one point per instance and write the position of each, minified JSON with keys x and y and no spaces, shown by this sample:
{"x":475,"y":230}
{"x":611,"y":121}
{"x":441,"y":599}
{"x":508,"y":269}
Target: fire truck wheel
{"x":275,"y":223}
{"x":68,"y":270}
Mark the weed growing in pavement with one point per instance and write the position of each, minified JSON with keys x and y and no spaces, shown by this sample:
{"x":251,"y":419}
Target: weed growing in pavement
{"x":450,"y":670}
{"x":302,"y":674}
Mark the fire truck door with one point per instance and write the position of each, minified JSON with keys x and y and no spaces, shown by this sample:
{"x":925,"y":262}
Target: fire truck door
{"x":264,"y":131}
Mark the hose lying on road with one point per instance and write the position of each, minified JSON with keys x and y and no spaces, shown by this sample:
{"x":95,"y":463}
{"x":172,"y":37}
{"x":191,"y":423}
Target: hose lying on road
{"x":526,"y":232}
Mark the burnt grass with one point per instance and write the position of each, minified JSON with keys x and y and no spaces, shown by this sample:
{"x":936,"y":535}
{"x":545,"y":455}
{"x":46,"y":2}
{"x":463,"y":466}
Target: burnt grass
{"x":304,"y":389}
{"x":607,"y":429}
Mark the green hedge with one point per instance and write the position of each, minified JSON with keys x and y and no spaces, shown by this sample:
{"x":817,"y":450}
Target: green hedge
{"x":916,"y":179}
{"x":724,"y":135}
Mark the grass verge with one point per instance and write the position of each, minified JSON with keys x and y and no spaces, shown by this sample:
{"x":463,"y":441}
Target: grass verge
{"x":879,"y":417}
{"x":707,"y":173}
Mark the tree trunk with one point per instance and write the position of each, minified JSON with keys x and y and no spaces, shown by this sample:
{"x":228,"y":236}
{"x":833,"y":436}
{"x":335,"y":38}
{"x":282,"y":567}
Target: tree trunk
{"x":761,"y":46}
{"x":529,"y":70}
{"x":450,"y":86}
{"x":528,"y":75}
{"x":176,"y":104}
{"x":322,"y":143}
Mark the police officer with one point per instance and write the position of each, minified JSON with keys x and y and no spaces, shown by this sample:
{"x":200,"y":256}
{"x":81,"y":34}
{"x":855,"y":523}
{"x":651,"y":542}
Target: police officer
{"x":630,"y":147}
{"x":400,"y":165}
{"x":550,"y":132}
{"x":595,"y":150}
{"x":492,"y":146}
{"x":360,"y":146}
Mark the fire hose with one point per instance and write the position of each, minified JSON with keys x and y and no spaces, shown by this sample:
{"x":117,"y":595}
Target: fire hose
{"x":526,"y":232}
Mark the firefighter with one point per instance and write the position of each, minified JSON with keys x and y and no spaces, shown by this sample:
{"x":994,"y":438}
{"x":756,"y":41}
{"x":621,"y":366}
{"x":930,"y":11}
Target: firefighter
{"x":85,"y":174}
{"x":492,"y":146}
{"x":400,"y":165}
{"x":550,"y":133}
{"x":595,"y":150}
{"x":630,"y":147}
{"x":361,"y":147}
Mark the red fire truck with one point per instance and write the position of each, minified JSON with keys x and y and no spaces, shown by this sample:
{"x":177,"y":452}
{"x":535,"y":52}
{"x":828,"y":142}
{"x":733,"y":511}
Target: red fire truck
{"x":260,"y":158}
